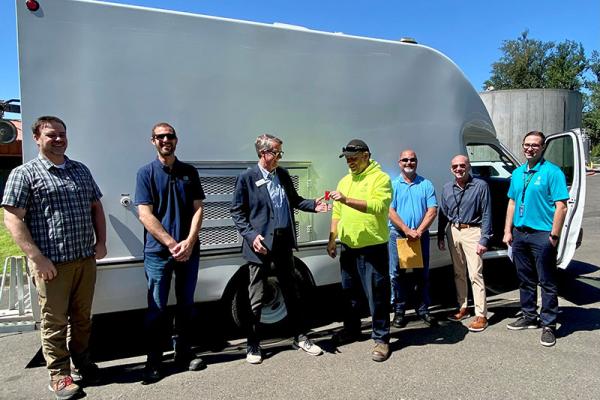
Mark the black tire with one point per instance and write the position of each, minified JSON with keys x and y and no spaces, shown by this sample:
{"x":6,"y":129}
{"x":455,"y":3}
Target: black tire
{"x":274,"y":313}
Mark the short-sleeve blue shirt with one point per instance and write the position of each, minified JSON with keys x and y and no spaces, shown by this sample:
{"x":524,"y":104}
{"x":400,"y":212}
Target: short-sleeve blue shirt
{"x":411,"y":200}
{"x":547,"y":185}
{"x":171,"y":193}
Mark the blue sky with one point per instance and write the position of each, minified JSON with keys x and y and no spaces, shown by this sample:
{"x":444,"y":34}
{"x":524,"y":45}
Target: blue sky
{"x":470,"y":32}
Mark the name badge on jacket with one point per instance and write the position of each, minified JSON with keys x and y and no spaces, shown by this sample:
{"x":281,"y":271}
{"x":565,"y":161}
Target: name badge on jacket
{"x":261,"y":182}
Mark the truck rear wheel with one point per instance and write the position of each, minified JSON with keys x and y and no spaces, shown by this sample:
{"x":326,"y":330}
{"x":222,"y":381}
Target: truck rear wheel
{"x":274,"y":312}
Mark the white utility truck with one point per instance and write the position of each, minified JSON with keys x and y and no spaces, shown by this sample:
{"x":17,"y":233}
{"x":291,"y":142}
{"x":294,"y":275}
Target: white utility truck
{"x":111,"y":71}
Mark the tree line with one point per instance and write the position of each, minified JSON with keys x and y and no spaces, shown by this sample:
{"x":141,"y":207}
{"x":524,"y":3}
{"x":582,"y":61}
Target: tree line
{"x":528,"y":63}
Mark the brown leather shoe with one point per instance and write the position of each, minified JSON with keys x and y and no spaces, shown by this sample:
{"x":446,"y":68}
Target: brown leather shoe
{"x":381,"y":352}
{"x":463,"y":313}
{"x":479,"y":324}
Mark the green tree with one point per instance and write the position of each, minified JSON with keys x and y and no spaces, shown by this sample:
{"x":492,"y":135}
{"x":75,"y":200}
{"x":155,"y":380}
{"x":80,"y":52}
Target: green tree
{"x":532,"y":64}
{"x":565,"y":66}
{"x":591,"y":111}
{"x":522,"y":65}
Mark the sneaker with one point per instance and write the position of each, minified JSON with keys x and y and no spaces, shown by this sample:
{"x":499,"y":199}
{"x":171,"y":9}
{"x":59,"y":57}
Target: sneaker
{"x":381,"y":352}
{"x":253,"y":354}
{"x":308,"y":346}
{"x":89,"y":374}
{"x":548,"y":339}
{"x":463,"y":313}
{"x":479,"y":324}
{"x":523,"y":323}
{"x":63,"y":387}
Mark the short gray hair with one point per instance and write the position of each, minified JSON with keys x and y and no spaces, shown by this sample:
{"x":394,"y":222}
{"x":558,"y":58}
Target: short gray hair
{"x":264,"y":143}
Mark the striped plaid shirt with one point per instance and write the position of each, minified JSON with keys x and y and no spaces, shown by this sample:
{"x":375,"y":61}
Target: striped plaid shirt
{"x":59,"y":206}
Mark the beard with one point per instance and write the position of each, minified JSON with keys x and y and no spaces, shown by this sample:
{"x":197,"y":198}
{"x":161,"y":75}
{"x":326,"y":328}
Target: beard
{"x":166,"y":150}
{"x":409,"y":171}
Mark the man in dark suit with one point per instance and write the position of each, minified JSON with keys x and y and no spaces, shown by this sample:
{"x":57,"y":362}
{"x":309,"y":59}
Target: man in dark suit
{"x":262,"y":209}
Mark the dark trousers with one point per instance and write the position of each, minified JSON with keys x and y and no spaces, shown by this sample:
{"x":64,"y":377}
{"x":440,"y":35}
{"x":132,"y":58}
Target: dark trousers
{"x":279,"y":262}
{"x":405,"y":286}
{"x":367,"y":269}
{"x":159,"y":268}
{"x":535,"y":260}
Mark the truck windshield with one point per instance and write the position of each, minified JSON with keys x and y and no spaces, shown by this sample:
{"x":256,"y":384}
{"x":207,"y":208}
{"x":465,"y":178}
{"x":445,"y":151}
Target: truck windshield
{"x":488,"y":161}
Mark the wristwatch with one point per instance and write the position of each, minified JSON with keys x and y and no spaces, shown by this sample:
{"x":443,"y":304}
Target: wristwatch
{"x":554,"y":237}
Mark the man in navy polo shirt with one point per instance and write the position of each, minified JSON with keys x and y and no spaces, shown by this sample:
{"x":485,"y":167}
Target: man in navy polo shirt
{"x":169,"y":199}
{"x":536,"y":210}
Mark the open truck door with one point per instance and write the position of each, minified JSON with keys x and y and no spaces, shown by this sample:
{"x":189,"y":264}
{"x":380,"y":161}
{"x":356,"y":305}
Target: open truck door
{"x":566,"y":150}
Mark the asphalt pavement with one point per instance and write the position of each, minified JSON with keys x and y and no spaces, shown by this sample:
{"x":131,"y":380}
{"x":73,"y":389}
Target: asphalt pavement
{"x":445,"y":362}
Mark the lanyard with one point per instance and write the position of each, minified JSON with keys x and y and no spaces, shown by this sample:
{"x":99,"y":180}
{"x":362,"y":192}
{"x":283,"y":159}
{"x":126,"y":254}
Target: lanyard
{"x":457,"y":206}
{"x":526,"y":183}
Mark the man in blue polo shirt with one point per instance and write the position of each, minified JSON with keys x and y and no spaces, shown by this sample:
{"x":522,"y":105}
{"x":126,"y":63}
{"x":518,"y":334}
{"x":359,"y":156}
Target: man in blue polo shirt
{"x":536,"y":210}
{"x":411,"y":212}
{"x":169,"y":199}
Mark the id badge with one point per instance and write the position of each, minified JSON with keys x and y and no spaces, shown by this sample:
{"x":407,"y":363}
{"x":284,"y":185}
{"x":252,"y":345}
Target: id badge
{"x":521,"y":210}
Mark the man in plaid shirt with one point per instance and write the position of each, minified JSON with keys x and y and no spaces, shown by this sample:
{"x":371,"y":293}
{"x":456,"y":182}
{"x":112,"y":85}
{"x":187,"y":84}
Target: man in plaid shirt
{"x":53,"y":211}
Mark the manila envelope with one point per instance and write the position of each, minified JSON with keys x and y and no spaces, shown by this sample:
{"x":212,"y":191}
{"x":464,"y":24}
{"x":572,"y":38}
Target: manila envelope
{"x":409,"y":253}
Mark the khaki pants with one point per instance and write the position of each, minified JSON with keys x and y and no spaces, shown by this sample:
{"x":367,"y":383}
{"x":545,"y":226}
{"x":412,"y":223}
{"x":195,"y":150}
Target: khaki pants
{"x":463,"y":247}
{"x":66,"y":311}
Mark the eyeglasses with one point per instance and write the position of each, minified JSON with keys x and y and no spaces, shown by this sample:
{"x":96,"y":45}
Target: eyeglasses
{"x":276,"y":153}
{"x":353,"y":149}
{"x":167,"y":136}
{"x":405,"y":160}
{"x":531,"y":146}
{"x":456,"y":166}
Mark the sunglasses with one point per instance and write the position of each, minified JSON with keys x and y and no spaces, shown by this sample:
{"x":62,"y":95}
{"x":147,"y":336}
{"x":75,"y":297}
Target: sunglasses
{"x":167,"y":136}
{"x":352,"y":149}
{"x":276,"y":153}
{"x":405,"y":160}
{"x":456,"y":166}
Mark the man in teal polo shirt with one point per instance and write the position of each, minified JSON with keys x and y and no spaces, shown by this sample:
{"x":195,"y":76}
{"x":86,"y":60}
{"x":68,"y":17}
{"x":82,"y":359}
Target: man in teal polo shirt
{"x":536,"y":210}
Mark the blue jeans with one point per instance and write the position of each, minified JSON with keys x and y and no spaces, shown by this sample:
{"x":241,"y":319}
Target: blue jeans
{"x":535,"y":260}
{"x":159,"y":269}
{"x":366,"y":269}
{"x":405,"y":286}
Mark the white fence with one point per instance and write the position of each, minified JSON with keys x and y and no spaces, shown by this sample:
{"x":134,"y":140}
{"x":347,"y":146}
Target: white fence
{"x":19,"y":309}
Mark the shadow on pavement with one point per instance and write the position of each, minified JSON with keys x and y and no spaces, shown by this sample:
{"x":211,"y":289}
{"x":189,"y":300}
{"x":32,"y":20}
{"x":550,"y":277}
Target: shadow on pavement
{"x":422,"y":335}
{"x":576,"y":319}
{"x":576,"y":287}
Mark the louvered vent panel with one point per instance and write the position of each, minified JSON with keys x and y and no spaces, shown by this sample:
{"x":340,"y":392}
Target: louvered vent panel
{"x":220,"y":235}
{"x":218,"y":185}
{"x":217,"y":210}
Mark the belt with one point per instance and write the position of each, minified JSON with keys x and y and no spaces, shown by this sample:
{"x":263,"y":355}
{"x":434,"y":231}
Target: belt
{"x":280,"y":231}
{"x":460,"y":226}
{"x":526,"y":229}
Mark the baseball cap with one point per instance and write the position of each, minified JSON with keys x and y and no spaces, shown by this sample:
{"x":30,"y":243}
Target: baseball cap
{"x":354,"y":147}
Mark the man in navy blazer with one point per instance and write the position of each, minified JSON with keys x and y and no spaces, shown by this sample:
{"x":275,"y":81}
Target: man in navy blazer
{"x":262,"y":209}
